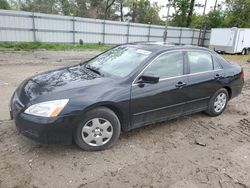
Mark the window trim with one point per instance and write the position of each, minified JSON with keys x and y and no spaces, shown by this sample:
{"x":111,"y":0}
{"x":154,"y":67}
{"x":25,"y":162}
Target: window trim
{"x":188,"y":61}
{"x":185,"y":63}
{"x":143,"y":70}
{"x":216,"y":59}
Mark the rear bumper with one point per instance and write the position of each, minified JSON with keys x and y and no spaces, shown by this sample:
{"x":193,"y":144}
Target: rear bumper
{"x":46,"y":130}
{"x":237,"y":88}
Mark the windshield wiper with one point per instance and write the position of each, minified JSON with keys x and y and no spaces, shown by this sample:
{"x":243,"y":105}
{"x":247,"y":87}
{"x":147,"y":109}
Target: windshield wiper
{"x":93,"y":69}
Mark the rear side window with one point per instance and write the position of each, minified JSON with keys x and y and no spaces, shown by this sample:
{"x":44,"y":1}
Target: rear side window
{"x":200,"y":62}
{"x":216,"y":64}
{"x":167,"y":65}
{"x":218,"y":60}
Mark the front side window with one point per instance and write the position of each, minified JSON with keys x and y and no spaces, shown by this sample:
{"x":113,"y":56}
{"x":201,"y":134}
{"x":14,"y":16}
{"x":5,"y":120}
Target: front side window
{"x":119,"y":61}
{"x":167,"y":65}
{"x":200,"y":62}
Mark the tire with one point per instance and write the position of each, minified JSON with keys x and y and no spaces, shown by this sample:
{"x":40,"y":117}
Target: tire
{"x":244,"y":51}
{"x":98,"y":130}
{"x":248,"y":50}
{"x":215,"y":110}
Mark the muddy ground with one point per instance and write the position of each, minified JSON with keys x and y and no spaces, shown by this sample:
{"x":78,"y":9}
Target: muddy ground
{"x":161,"y":155}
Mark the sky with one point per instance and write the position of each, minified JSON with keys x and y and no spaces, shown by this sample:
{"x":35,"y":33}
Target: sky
{"x":210,"y":3}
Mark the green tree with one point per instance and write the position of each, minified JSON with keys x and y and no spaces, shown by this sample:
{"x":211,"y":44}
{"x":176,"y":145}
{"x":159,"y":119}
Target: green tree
{"x":179,"y":18}
{"x":190,"y":12}
{"x":213,"y":19}
{"x":148,"y":13}
{"x":197,"y":21}
{"x":143,"y":11}
{"x":4,"y":4}
{"x":237,"y":13}
{"x":68,"y":8}
{"x":43,"y":6}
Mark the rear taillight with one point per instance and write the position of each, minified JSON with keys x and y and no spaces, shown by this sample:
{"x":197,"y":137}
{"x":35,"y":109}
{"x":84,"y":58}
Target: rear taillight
{"x":242,"y":74}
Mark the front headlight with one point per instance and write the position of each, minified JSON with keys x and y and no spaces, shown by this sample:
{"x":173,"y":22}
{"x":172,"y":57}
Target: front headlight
{"x":47,"y":109}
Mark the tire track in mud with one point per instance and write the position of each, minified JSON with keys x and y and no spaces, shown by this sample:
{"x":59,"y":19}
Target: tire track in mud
{"x":239,"y":129}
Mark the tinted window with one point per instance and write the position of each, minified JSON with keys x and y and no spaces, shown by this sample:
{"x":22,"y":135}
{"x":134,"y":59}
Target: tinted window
{"x":119,"y":61}
{"x":167,"y":65}
{"x":216,"y":64}
{"x":200,"y":62}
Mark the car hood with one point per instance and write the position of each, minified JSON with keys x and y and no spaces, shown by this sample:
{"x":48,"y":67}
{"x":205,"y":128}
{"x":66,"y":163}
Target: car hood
{"x":57,"y":82}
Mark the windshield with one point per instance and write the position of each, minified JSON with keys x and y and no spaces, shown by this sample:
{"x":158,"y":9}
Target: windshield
{"x":119,"y":61}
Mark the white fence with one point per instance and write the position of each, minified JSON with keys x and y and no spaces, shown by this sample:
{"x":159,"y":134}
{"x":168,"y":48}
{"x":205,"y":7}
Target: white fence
{"x":27,"y":26}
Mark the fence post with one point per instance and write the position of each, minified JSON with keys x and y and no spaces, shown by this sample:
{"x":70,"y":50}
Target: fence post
{"x":192,"y":41}
{"x":103,"y":32}
{"x":180,"y":35}
{"x":128,"y":25}
{"x":149,"y":28}
{"x":33,"y":27}
{"x":73,"y":25}
{"x":204,"y":36}
{"x":199,"y":37}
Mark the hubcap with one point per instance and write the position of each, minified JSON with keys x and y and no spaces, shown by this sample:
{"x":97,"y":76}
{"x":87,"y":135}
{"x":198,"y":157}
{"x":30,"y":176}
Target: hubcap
{"x":97,"y":132}
{"x":220,"y":102}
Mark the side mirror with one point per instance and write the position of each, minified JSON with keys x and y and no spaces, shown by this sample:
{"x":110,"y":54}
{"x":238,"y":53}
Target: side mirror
{"x":149,"y":78}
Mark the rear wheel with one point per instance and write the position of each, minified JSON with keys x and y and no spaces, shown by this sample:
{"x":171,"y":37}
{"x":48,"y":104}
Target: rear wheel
{"x":218,"y":102}
{"x":248,"y":50}
{"x":98,"y":130}
{"x":244,"y":51}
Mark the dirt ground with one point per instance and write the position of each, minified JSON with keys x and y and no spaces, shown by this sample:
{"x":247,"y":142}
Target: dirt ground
{"x":161,"y":155}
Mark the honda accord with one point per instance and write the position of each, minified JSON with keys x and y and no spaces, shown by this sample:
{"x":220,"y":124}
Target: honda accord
{"x":126,"y":87}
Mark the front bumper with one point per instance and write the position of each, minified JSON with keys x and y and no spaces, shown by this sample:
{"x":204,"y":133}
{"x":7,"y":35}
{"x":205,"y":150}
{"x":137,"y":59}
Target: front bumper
{"x":43,"y":129}
{"x":46,"y":130}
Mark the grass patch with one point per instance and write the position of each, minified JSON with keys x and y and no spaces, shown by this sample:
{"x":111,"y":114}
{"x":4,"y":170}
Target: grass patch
{"x":28,"y":46}
{"x":237,"y":58}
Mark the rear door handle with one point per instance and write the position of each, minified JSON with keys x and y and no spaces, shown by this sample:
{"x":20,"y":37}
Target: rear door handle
{"x":180,"y":84}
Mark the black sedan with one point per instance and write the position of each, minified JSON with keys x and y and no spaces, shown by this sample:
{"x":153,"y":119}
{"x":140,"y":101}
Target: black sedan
{"x":126,"y":87}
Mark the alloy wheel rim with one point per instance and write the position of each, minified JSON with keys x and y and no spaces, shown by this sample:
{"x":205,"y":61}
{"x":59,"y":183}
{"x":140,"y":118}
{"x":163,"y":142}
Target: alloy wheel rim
{"x":97,"y":132}
{"x":220,"y":102}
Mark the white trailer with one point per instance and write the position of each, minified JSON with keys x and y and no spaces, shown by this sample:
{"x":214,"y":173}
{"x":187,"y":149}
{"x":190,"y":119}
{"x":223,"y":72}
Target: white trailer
{"x":230,"y":40}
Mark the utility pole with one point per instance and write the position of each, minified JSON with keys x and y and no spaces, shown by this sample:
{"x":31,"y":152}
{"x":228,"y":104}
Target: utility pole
{"x":204,"y":12}
{"x":215,"y":5}
{"x":205,"y":6}
{"x":165,"y":34}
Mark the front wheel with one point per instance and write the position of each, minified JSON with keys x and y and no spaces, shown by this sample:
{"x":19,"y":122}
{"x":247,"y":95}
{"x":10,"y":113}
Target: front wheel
{"x":218,"y":102}
{"x":98,"y":130}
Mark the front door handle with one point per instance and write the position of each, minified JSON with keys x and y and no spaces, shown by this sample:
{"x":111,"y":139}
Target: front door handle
{"x":180,"y":84}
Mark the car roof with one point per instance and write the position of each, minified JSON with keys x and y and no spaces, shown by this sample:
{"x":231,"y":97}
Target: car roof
{"x":161,"y":46}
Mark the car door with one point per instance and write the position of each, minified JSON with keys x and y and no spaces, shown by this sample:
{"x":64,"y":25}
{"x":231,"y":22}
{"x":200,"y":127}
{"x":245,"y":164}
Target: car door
{"x":203,"y":79}
{"x":152,"y":102}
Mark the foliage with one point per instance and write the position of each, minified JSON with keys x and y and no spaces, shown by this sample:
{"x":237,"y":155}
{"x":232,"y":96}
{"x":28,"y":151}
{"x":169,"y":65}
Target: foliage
{"x":197,"y":21}
{"x":237,"y":13}
{"x":142,"y":11}
{"x":183,"y":12}
{"x":213,"y":19}
{"x":4,"y":4}
{"x":147,"y":13}
{"x":27,"y":46}
{"x":81,"y":42}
